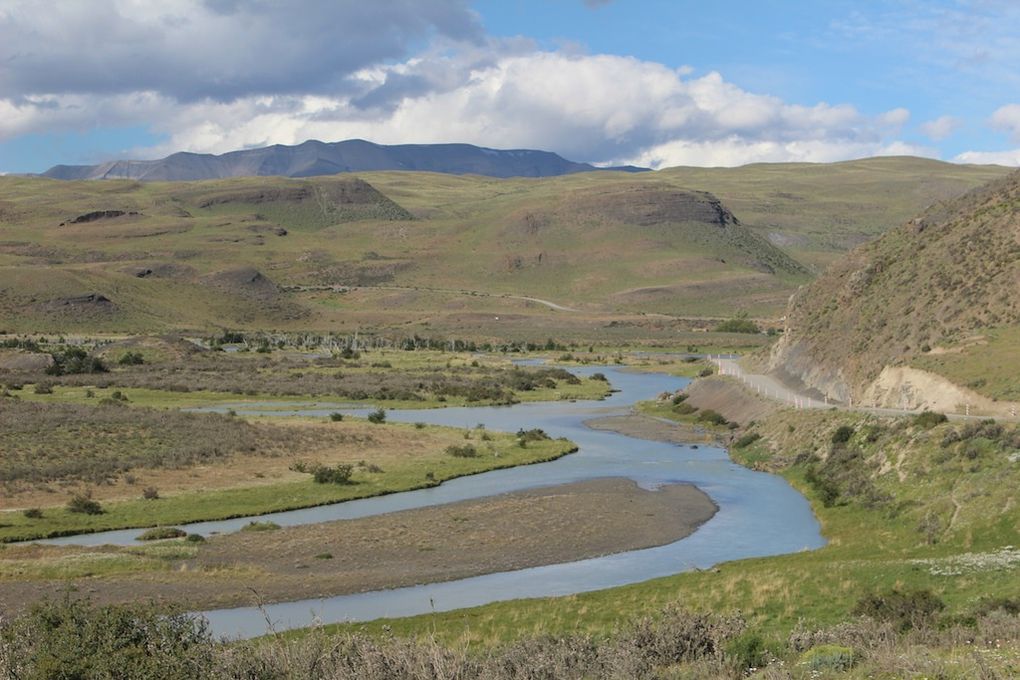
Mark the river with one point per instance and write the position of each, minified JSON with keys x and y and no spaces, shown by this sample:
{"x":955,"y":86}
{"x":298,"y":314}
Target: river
{"x":759,"y":514}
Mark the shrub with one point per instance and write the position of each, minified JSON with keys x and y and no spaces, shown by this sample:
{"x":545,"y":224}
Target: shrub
{"x":929,"y":419}
{"x":599,"y":376}
{"x":377,"y":416}
{"x":905,"y":609}
{"x":679,"y":398}
{"x":336,"y":417}
{"x":828,"y":658}
{"x":150,"y":493}
{"x":324,"y":556}
{"x":705,"y":372}
{"x":533,"y":435}
{"x":684,"y":409}
{"x":338,"y":474}
{"x":75,"y":360}
{"x":195,"y":538}
{"x":842,"y":434}
{"x":738,"y":324}
{"x":712,"y":417}
{"x":748,"y":651}
{"x":82,"y":503}
{"x":162,"y":533}
{"x":746,"y":440}
{"x":466,"y":451}
{"x":131,"y":359}
{"x":419,"y":426}
{"x":826,"y":488}
{"x":73,"y":638}
{"x":43,"y":388}
{"x":260,"y":526}
{"x":33,"y":513}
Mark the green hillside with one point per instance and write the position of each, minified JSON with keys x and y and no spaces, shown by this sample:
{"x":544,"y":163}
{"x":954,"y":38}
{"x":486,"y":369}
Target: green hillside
{"x":424,"y":251}
{"x":815,"y":210}
{"x":937,"y":294}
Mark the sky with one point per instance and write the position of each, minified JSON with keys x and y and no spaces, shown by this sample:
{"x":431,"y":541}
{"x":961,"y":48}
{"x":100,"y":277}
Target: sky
{"x":656,"y":83}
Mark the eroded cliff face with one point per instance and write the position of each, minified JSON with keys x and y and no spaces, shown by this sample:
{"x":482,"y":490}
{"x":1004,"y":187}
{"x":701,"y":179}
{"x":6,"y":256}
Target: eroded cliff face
{"x":792,"y":360}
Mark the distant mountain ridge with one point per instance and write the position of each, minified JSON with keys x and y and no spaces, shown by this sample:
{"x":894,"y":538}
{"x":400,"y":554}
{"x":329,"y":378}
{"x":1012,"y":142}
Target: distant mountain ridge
{"x":313,"y":158}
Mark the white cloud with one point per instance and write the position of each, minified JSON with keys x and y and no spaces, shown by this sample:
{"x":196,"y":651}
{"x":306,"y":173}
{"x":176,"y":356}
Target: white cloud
{"x":940,"y":128}
{"x":895,"y":118}
{"x":1007,"y":118}
{"x":218,"y":49}
{"x":1008,"y":158}
{"x":600,"y":108}
{"x":217,"y":75}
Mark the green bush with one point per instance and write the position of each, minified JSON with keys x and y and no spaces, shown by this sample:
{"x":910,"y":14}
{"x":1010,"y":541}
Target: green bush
{"x":82,"y":503}
{"x":533,"y":435}
{"x":195,"y":538}
{"x":679,"y":398}
{"x":826,"y":488}
{"x":466,"y":451}
{"x":161,"y":533}
{"x":73,"y":639}
{"x":905,"y":609}
{"x":338,"y":474}
{"x":684,"y":409}
{"x":738,"y":324}
{"x":377,"y":416}
{"x":33,"y":513}
{"x":748,"y":650}
{"x":828,"y":658}
{"x":712,"y":417}
{"x":131,"y":359}
{"x":75,"y":360}
{"x":929,"y":419}
{"x":336,"y":417}
{"x":746,"y":440}
{"x":842,"y":434}
{"x":599,"y":376}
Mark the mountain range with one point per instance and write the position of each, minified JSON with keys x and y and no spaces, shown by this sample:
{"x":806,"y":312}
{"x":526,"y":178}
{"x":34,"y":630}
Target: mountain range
{"x":313,"y":158}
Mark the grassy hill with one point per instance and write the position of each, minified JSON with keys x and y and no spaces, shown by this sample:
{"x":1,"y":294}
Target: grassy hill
{"x":932,"y":299}
{"x":426,"y":251}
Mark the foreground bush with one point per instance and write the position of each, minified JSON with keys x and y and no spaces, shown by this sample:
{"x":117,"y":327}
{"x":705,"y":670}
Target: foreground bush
{"x":71,"y":639}
{"x":74,"y":639}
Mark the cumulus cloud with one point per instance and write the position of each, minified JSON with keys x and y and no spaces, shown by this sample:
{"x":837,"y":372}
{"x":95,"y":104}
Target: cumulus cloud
{"x":599,"y":108}
{"x":219,"y":75}
{"x":217,"y":49}
{"x":940,"y":128}
{"x":1008,"y":158}
{"x":1007,"y":119}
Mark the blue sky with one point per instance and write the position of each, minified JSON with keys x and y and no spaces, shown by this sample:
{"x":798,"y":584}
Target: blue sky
{"x":652,"y":82}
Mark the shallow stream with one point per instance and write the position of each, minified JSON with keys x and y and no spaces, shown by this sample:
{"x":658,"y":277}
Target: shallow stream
{"x":759,"y":514}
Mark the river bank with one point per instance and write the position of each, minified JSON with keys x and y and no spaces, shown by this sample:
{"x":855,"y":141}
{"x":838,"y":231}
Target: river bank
{"x":511,"y":531}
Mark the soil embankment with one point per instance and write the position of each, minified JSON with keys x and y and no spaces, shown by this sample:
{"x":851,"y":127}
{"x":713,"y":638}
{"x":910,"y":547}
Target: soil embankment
{"x":512,"y":531}
{"x":730,"y":399}
{"x":657,"y":429}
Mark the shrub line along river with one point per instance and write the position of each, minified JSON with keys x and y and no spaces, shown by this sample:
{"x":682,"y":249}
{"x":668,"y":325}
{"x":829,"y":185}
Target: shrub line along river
{"x":759,"y":514}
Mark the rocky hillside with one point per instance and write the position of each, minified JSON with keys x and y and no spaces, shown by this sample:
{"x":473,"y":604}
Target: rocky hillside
{"x":917,"y":317}
{"x":314,"y":158}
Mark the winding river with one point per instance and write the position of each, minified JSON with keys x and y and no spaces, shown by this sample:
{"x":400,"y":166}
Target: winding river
{"x":759,"y":514}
